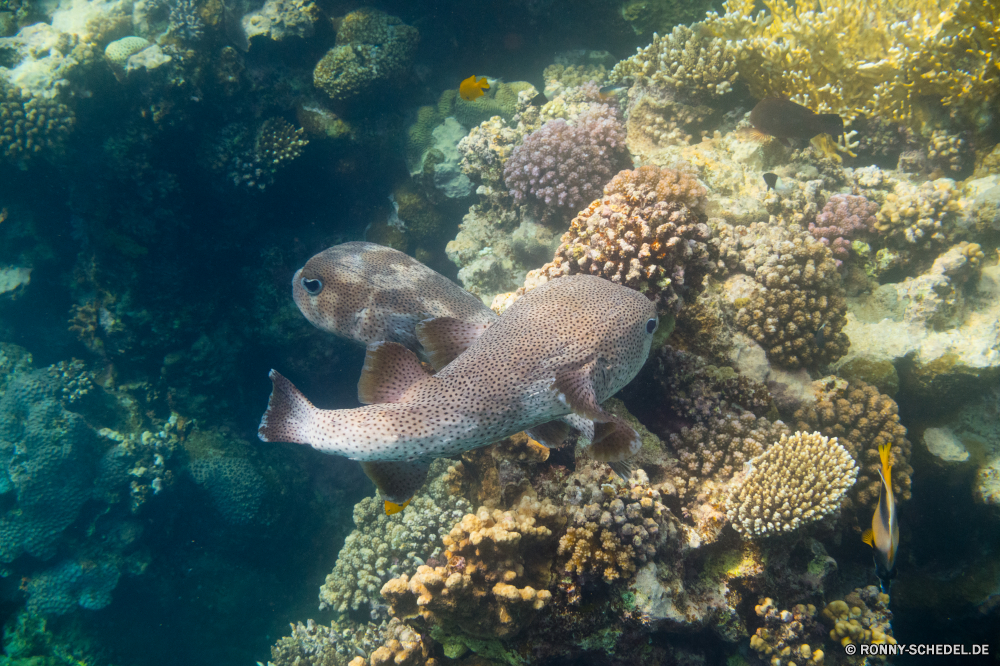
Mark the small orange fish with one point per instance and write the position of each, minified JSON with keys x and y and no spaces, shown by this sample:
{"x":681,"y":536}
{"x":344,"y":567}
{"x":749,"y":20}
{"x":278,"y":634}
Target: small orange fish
{"x":471,"y":89}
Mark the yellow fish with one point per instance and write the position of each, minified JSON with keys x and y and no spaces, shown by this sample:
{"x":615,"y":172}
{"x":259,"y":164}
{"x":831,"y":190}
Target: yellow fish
{"x":471,"y":89}
{"x":884,"y":534}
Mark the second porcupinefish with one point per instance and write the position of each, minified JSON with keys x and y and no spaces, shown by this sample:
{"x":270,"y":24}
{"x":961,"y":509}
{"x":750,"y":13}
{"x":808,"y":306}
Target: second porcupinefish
{"x":370,"y":293}
{"x":557,"y":353}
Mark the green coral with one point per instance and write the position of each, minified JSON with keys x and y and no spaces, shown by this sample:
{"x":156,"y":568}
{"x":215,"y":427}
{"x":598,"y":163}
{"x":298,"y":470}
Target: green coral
{"x":372,"y":49}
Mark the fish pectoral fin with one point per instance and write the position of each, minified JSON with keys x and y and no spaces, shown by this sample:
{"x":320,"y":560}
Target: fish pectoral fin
{"x":397,"y":480}
{"x":576,"y":389}
{"x":869,"y":538}
{"x":289,"y":413}
{"x":444,"y":338}
{"x":614,"y":441}
{"x":389,"y":370}
{"x":552,"y":434}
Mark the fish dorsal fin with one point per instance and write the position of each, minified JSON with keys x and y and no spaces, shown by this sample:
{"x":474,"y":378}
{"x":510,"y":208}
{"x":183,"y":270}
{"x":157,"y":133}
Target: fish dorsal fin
{"x":869,"y":538}
{"x":576,"y":389}
{"x":884,"y":451}
{"x":614,"y":441}
{"x":444,"y":338}
{"x":390,"y":369}
{"x":397,"y":480}
{"x":552,"y":434}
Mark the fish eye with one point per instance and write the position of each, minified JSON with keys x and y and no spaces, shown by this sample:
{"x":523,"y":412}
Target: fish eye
{"x":651,"y":325}
{"x":312,"y":286}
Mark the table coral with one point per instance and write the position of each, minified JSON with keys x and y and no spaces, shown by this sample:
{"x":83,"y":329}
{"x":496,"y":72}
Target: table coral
{"x":862,"y":419}
{"x":853,"y":57}
{"x":563,"y":165}
{"x":648,"y":232}
{"x":497,"y":575}
{"x":844,"y":218}
{"x":797,"y":312}
{"x":799,"y":480}
{"x":373,"y":49}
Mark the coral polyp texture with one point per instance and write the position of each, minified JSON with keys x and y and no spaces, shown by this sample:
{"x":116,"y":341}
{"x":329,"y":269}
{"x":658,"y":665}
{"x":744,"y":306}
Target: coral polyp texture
{"x":786,"y":634}
{"x":844,"y":218}
{"x":861,"y":617}
{"x":920,"y":216}
{"x":819,"y":54}
{"x":373,"y":49}
{"x":799,"y":480}
{"x":565,"y":164}
{"x":496,"y":577}
{"x":31,"y":124}
{"x":862,"y":419}
{"x":647,"y":232}
{"x":797,"y":311}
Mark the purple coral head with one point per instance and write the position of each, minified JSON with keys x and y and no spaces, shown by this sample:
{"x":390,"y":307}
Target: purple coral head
{"x":844,"y":218}
{"x":565,"y":165}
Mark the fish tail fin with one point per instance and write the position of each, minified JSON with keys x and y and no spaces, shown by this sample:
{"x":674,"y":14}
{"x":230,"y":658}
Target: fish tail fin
{"x":397,"y":480}
{"x":289,"y":414}
{"x":884,"y":453}
{"x":869,"y":538}
{"x":831,"y":123}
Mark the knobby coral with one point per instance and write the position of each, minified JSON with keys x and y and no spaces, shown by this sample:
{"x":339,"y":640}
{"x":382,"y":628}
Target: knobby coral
{"x":844,"y":218}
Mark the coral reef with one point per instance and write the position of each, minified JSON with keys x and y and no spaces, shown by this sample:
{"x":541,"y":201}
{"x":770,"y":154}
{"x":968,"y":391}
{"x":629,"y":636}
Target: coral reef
{"x":373,"y":50}
{"x":252,"y":159}
{"x":235,"y":486}
{"x":922,"y":215}
{"x":862,"y":419}
{"x":561,"y":77}
{"x":844,"y":218}
{"x":861,"y":617}
{"x":797,"y":310}
{"x":564,"y":165}
{"x":31,"y":124}
{"x":786,"y":634}
{"x":648,"y":232}
{"x":185,"y":21}
{"x":382,"y":547}
{"x":282,"y":19}
{"x":496,"y":577}
{"x":499,"y":100}
{"x":798,"y":480}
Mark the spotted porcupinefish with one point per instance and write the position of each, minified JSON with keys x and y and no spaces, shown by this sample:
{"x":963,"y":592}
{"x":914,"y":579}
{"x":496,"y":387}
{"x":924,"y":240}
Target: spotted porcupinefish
{"x":557,"y":353}
{"x":370,"y":293}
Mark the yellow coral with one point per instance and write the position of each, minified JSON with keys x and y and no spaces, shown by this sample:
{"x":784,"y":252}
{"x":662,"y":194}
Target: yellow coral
{"x":855,"y":57}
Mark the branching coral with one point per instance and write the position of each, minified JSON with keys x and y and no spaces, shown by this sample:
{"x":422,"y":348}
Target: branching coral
{"x":798,"y":312}
{"x":276,"y":143}
{"x":853,"y":57}
{"x":862,"y":419}
{"x":648,"y":232}
{"x":797,"y":481}
{"x":30,"y":124}
{"x":844,"y":218}
{"x":499,"y":566}
{"x":372,"y":49}
{"x":563,"y":165}
{"x":559,"y":77}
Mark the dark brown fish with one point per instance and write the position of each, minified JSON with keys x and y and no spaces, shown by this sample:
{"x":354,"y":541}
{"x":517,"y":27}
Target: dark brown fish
{"x":784,"y":120}
{"x":771,"y":179}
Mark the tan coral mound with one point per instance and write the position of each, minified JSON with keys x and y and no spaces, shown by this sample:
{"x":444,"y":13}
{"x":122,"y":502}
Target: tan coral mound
{"x":647,"y":232}
{"x":862,"y":419}
{"x":786,"y":633}
{"x":499,"y":566}
{"x":797,"y":481}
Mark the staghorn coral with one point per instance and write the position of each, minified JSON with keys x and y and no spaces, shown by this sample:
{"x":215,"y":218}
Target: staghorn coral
{"x":381,"y":546}
{"x":785,"y":636}
{"x":497,"y":575}
{"x":819,"y":53}
{"x":648,"y":232}
{"x":563,"y":165}
{"x":797,"y":312}
{"x":797,"y":481}
{"x":688,"y":62}
{"x":861,"y":617}
{"x":373,"y":49}
{"x":612,"y":534}
{"x":861,"y":419}
{"x":924,"y":215}
{"x":844,"y":218}
{"x":31,"y":124}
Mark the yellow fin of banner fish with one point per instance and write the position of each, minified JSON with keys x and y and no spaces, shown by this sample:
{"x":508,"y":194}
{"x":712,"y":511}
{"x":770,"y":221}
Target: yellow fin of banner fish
{"x":884,"y":450}
{"x":470,"y":89}
{"x":390,"y":369}
{"x":444,"y":338}
{"x":391,"y":508}
{"x":869,"y":538}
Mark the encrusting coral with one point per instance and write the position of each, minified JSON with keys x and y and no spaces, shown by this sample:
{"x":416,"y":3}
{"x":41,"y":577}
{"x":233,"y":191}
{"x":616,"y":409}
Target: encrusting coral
{"x":798,"y":480}
{"x":862,"y":419}
{"x":647,"y":232}
{"x":496,"y":577}
{"x":797,"y":312}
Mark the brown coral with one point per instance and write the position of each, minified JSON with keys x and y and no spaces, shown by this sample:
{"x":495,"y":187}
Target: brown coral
{"x":798,"y":312}
{"x":499,"y":566}
{"x":862,"y":419}
{"x":863,"y":616}
{"x":786,"y":634}
{"x":648,"y":232}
